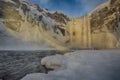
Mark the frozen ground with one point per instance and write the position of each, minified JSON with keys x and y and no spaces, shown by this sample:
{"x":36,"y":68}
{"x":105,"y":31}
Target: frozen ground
{"x":81,"y":65}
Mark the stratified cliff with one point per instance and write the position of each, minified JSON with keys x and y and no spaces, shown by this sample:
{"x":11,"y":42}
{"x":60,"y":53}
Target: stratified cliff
{"x":99,"y":29}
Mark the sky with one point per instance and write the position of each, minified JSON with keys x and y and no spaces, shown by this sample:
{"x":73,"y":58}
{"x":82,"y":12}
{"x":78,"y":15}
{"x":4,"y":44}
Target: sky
{"x":73,"y":8}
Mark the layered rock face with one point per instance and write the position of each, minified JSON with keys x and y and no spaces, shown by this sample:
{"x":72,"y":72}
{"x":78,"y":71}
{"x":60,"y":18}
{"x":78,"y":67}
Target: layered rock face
{"x":99,"y":29}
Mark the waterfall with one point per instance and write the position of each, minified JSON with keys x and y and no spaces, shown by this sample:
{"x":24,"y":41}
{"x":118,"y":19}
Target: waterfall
{"x":80,"y":32}
{"x":82,"y":36}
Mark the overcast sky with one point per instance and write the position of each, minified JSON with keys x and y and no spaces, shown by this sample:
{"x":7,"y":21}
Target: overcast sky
{"x":72,"y":8}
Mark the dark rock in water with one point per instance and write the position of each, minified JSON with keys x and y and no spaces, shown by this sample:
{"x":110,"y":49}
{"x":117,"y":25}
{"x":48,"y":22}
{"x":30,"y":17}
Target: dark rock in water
{"x":16,"y":64}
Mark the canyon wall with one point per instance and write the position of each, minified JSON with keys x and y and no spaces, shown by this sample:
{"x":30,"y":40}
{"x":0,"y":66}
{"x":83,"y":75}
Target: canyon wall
{"x":99,"y":29}
{"x":33,"y":24}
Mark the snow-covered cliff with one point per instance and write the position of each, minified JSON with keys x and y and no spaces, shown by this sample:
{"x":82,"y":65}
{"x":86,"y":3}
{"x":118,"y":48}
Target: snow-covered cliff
{"x":99,"y":29}
{"x":32,"y":23}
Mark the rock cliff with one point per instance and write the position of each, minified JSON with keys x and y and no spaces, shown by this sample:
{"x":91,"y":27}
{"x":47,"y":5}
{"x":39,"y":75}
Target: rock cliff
{"x":99,"y":29}
{"x":31,"y":23}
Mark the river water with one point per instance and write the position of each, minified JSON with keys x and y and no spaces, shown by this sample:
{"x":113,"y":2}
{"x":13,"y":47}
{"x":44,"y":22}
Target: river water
{"x":105,"y":64}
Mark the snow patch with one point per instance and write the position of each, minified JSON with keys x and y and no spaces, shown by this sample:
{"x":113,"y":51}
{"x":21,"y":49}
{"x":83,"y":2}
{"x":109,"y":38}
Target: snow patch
{"x":54,"y":62}
{"x":81,"y":65}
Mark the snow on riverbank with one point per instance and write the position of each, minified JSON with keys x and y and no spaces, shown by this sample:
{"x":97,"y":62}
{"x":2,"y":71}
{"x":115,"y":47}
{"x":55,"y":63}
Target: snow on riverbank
{"x":81,"y":65}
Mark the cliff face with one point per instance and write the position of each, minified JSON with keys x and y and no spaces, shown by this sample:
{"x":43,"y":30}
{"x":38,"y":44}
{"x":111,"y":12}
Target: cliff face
{"x":98,"y":29}
{"x":105,"y":26}
{"x":32,"y":23}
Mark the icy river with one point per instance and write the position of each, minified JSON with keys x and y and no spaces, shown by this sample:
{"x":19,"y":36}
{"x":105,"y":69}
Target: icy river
{"x":76,"y":65}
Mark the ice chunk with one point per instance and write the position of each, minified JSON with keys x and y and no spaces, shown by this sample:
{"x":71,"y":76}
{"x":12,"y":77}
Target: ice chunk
{"x":54,"y":62}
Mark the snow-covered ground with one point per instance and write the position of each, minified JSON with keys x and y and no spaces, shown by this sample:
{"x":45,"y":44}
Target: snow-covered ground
{"x":81,"y":65}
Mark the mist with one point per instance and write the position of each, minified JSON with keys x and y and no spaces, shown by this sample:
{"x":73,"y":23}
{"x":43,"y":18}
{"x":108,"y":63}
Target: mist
{"x":9,"y":42}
